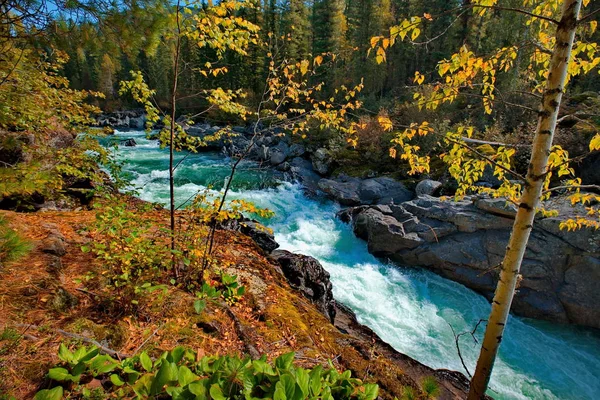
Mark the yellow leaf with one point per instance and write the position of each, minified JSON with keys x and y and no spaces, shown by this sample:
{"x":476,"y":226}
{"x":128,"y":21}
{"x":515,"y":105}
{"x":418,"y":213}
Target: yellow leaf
{"x":374,"y":41}
{"x":385,"y":123}
{"x":595,"y":142}
{"x":415,"y":33}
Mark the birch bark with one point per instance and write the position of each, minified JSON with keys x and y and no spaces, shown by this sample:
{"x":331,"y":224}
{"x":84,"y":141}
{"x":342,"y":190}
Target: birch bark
{"x":542,"y":142}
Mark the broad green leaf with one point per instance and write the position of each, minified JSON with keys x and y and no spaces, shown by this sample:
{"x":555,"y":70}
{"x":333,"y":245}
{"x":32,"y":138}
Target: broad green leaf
{"x":116,"y":380}
{"x":146,"y":361}
{"x":198,"y":389}
{"x":371,"y":391}
{"x":49,"y":394}
{"x":64,"y":354}
{"x":167,"y":373}
{"x":199,"y":306}
{"x":279,"y":392}
{"x":59,"y":374}
{"x":186,"y":376}
{"x":302,"y":379}
{"x":289,"y":385}
{"x":284,"y":361}
{"x":216,"y":393}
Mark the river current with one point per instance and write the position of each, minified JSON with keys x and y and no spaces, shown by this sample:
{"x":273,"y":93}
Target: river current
{"x":411,"y":309}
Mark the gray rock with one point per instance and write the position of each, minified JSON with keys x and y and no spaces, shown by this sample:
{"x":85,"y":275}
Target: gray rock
{"x":130,"y":142}
{"x":497,"y":206}
{"x":383,"y":190}
{"x":466,"y":240}
{"x":350,"y":191}
{"x":307,"y":275}
{"x":279,"y":153}
{"x":346,"y":193}
{"x":428,"y":187}
{"x":321,"y":161}
{"x":297,"y":150}
{"x":54,"y":245}
{"x":284,"y":166}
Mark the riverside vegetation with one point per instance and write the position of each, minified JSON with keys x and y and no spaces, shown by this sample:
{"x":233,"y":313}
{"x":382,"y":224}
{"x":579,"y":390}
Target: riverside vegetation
{"x":311,"y":90}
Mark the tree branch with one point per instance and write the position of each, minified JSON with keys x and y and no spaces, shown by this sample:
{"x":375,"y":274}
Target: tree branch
{"x":477,"y":153}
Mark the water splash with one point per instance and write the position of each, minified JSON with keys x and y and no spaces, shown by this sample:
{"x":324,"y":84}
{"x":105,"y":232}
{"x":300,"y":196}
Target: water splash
{"x":412,"y":309}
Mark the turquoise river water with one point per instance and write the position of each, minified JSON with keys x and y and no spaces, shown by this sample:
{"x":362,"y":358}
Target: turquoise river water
{"x":412,"y":309}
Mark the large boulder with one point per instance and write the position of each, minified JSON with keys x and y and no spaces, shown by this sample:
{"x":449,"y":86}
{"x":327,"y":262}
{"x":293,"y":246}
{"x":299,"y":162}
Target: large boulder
{"x":350,"y":191}
{"x":321,"y":161}
{"x":306,"y":274}
{"x":465,"y":241}
{"x":428,"y":187}
{"x":344,"y":192}
{"x":279,"y":153}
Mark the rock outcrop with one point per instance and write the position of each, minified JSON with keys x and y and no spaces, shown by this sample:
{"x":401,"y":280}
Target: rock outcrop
{"x":129,"y":119}
{"x":349,"y":191}
{"x":307,"y":275}
{"x":465,"y":241}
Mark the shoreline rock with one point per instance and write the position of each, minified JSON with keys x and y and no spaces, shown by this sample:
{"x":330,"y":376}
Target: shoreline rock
{"x":465,"y":241}
{"x":306,"y":275}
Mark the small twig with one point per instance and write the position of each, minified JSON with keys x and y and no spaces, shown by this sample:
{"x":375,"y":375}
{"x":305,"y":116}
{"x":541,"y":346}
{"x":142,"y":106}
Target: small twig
{"x":457,"y":339}
{"x":147,"y":339}
{"x":241,"y":332}
{"x":85,"y":291}
{"x":103,"y":349}
{"x":595,"y":187}
{"x":590,"y":15}
{"x":521,"y":177}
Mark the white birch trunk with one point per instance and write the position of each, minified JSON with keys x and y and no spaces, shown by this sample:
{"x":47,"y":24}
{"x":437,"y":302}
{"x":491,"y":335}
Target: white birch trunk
{"x":542,"y":142}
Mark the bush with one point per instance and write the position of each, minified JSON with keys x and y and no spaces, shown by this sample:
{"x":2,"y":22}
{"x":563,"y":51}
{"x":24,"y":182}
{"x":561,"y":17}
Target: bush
{"x":12,"y":245}
{"x":181,"y":374}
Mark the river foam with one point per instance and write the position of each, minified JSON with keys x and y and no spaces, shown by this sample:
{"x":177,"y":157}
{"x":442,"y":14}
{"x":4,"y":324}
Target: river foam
{"x":412,"y":309}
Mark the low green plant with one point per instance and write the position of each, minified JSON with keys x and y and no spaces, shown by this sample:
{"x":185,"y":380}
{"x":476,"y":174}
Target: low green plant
{"x":12,"y":245}
{"x":232,"y":290}
{"x":181,"y":374}
{"x":130,"y":250}
{"x":430,"y":387}
{"x":408,"y":393}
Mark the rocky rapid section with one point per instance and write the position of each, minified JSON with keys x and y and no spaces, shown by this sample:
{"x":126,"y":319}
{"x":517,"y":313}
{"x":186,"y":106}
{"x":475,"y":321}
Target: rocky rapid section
{"x":465,"y":241}
{"x":306,"y":275}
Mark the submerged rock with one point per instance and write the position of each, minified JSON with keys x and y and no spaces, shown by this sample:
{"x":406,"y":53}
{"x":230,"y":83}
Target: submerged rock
{"x":130,"y":142}
{"x":465,"y":241}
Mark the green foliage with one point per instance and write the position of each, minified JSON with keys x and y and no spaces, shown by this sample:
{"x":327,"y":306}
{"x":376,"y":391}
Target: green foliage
{"x":181,"y":374}
{"x":12,"y":245}
{"x":232,"y":290}
{"x":408,"y":393}
{"x":129,"y":249}
{"x":430,"y":386}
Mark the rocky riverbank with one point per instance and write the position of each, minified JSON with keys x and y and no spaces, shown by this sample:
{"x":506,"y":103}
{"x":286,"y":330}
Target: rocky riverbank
{"x":288,"y":306}
{"x":307,"y":276}
{"x":463,"y":241}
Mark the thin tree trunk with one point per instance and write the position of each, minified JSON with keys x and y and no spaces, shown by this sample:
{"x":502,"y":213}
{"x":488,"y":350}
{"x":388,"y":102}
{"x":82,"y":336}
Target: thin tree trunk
{"x":542,"y":142}
{"x":172,"y":140}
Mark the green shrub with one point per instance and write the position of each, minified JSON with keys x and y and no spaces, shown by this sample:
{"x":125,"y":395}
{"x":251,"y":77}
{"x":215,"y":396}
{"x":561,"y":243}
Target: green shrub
{"x":430,"y":387}
{"x":179,"y":374}
{"x":12,"y":245}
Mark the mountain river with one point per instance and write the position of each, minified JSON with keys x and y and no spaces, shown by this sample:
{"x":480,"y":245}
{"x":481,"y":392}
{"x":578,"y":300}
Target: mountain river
{"x":412,"y":309}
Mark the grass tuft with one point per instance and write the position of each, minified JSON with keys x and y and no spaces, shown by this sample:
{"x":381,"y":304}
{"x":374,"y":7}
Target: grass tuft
{"x":12,"y":245}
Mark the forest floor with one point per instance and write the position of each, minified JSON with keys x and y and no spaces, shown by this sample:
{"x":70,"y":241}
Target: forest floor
{"x":43,"y":304}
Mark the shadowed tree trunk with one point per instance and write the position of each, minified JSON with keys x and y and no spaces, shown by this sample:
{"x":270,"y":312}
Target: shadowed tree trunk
{"x":542,"y":142}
